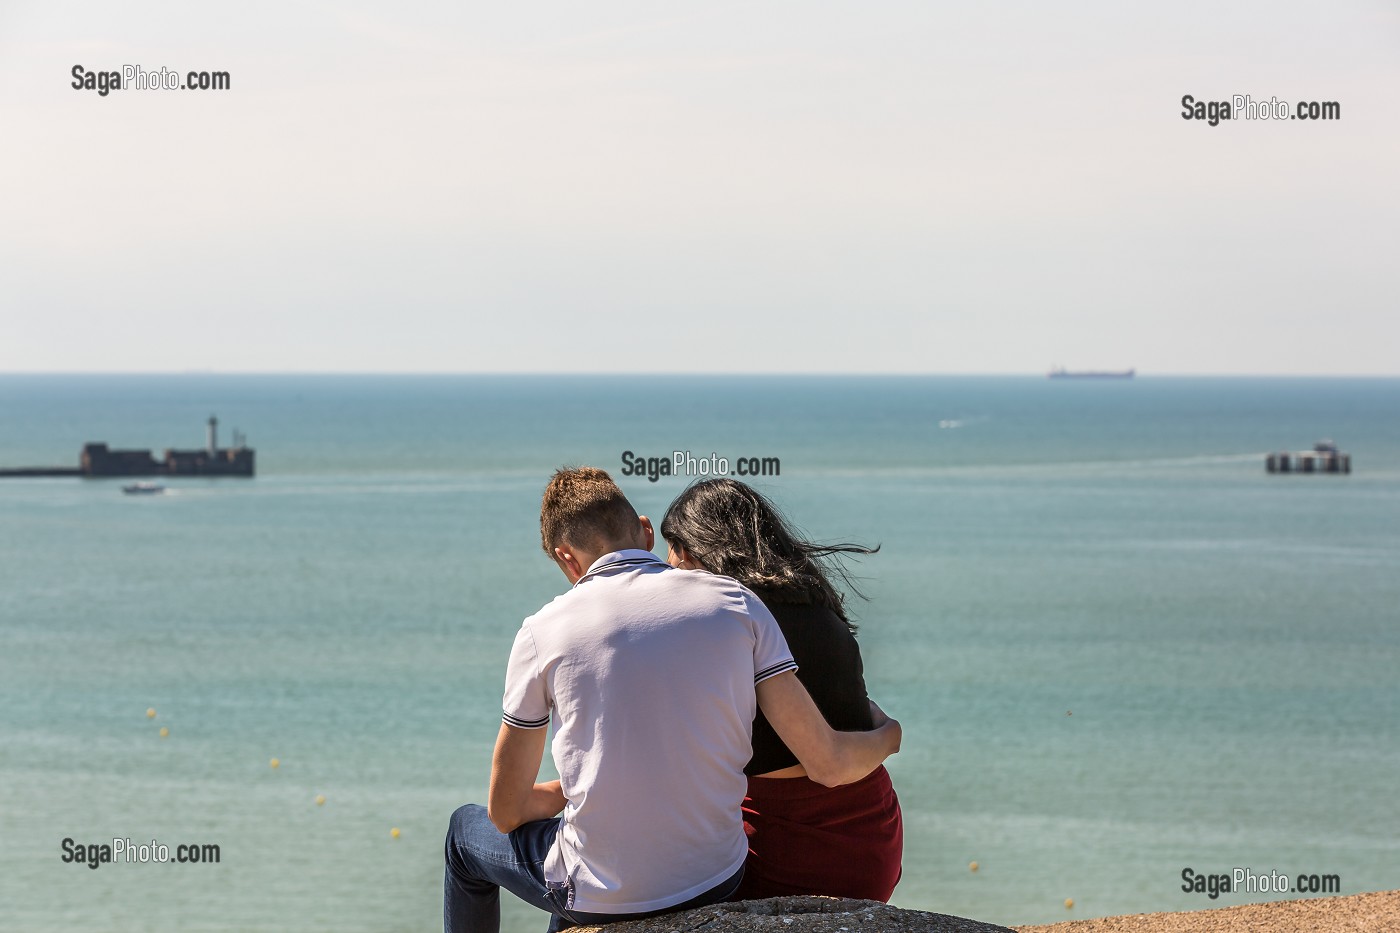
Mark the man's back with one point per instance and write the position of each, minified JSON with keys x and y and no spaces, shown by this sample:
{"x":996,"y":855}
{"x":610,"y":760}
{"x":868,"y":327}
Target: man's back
{"x":649,"y":674}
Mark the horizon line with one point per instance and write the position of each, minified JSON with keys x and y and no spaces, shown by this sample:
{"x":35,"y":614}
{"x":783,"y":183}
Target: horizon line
{"x":672,"y":373}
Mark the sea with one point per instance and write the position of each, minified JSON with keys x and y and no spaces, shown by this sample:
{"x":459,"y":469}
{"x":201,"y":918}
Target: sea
{"x":1127,"y":660}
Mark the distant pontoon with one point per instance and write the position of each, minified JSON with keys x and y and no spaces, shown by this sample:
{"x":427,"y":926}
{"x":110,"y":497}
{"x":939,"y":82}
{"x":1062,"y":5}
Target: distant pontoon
{"x":1323,"y":458}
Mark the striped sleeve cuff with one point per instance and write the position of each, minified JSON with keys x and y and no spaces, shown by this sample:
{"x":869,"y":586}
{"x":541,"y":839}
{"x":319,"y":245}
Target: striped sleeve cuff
{"x":773,"y":670}
{"x":519,"y":723}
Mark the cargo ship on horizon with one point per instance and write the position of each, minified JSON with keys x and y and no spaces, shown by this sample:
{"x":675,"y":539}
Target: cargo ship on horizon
{"x":1059,"y":372}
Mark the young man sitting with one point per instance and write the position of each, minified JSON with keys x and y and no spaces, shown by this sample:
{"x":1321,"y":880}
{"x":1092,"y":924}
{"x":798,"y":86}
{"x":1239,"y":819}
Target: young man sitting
{"x":652,"y":676}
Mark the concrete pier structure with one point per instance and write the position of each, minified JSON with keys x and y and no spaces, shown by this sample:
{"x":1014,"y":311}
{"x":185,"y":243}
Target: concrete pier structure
{"x":97,"y":459}
{"x":1323,"y":458}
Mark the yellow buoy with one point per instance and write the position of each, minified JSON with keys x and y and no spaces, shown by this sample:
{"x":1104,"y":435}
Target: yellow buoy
{"x":164,"y":732}
{"x":1069,"y":903}
{"x":394,"y":832}
{"x":972,"y":866}
{"x":274,"y":763}
{"x":320,"y":800}
{"x":151,"y":713}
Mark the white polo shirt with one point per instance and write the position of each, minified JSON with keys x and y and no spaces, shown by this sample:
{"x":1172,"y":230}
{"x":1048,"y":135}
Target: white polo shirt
{"x":648,"y":673}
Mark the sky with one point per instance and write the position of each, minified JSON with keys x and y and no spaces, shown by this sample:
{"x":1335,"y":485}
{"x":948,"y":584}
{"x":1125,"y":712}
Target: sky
{"x":817,"y":187}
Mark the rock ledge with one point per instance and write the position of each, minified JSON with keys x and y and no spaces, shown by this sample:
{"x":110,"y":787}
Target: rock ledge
{"x":800,"y":915}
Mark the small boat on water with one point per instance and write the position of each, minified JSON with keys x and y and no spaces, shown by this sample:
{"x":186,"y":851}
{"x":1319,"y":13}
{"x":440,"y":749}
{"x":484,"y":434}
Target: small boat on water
{"x":143,"y":489}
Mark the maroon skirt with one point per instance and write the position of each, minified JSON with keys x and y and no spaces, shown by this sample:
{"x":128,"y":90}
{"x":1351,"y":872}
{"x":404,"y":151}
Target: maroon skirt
{"x":804,"y":838}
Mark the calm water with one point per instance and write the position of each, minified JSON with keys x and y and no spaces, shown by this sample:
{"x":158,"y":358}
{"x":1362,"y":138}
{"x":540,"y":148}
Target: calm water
{"x":1118,"y":648}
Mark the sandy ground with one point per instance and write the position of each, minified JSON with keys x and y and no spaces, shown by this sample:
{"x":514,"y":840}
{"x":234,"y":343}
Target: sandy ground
{"x":1356,"y":913}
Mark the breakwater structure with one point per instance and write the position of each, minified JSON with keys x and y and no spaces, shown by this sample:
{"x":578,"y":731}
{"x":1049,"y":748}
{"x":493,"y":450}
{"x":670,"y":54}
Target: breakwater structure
{"x":1323,"y":458}
{"x":98,"y":460}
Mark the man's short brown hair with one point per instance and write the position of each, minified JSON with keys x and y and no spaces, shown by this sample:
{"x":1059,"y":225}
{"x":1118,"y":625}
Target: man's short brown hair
{"x":582,"y":506}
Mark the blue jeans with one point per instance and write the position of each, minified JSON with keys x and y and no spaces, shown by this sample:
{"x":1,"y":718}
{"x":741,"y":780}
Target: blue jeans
{"x":481,"y":860}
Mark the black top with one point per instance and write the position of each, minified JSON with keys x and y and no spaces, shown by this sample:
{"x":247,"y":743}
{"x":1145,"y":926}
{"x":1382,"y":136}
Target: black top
{"x":829,"y":666}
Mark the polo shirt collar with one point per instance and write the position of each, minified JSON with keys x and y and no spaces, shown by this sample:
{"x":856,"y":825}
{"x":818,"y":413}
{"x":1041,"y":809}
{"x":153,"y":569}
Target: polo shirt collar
{"x":626,"y":559}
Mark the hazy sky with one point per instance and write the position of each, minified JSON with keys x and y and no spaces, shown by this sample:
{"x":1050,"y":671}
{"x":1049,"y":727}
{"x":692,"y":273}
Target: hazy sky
{"x":760,"y":186}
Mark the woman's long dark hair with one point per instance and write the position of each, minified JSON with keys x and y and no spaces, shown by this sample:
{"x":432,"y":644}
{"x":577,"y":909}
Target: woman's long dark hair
{"x":733,"y":530}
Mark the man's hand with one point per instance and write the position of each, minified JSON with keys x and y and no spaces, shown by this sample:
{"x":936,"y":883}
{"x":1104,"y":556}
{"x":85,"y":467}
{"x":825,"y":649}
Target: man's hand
{"x":515,"y":798}
{"x":830,"y":757}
